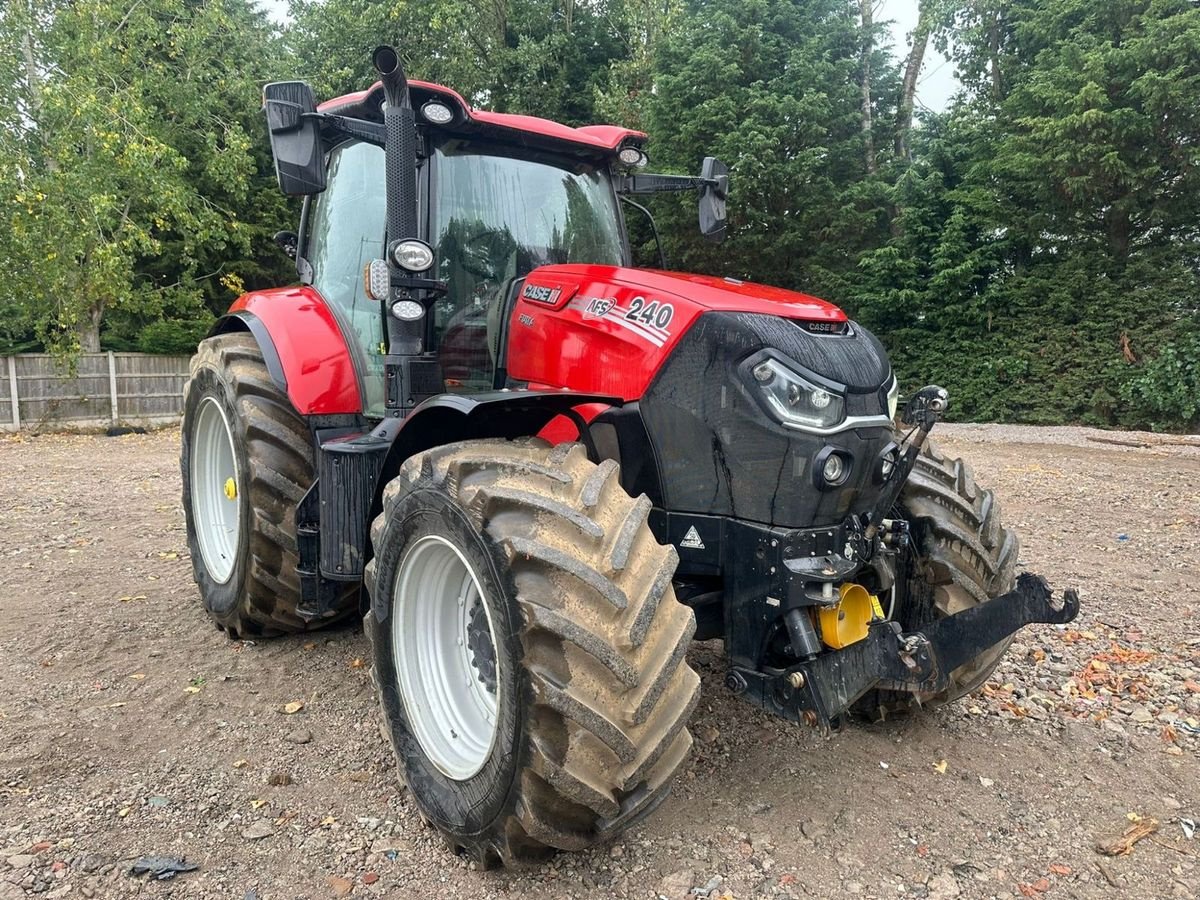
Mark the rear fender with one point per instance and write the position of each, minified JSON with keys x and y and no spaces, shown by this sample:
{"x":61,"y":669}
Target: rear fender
{"x":302,"y":346}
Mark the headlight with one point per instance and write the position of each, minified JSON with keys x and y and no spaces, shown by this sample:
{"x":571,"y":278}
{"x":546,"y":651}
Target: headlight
{"x":437,"y":113}
{"x":835,"y":469}
{"x":794,"y":400}
{"x":413,"y":255}
{"x":893,"y":397}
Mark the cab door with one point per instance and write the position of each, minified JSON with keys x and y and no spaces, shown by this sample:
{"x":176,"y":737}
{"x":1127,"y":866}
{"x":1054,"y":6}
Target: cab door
{"x":342,"y":230}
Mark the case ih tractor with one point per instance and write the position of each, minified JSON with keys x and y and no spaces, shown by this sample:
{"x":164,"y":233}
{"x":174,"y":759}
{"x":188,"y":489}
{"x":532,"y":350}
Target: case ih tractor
{"x":539,"y":473}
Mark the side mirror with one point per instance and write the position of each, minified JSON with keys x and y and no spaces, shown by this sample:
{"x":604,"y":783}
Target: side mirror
{"x":295,"y":137}
{"x":715,"y":175}
{"x":288,"y":243}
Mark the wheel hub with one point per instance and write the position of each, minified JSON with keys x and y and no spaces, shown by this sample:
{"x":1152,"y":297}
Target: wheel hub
{"x":479,"y":643}
{"x":214,"y":490}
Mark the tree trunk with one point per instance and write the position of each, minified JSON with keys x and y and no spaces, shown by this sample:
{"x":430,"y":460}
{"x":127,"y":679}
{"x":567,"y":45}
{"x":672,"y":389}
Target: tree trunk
{"x":89,"y":328}
{"x":908,"y":87}
{"x":868,"y":27}
{"x":1120,"y":233}
{"x":32,"y":82}
{"x":994,"y":51}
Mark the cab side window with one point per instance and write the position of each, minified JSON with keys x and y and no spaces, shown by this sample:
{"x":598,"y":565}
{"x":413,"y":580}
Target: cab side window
{"x":344,"y":232}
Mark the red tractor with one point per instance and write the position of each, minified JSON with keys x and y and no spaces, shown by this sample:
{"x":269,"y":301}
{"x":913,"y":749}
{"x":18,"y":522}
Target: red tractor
{"x":539,"y":473}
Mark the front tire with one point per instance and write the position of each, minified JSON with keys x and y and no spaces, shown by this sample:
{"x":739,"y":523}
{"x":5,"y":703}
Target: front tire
{"x":246,"y":462}
{"x":585,"y":648}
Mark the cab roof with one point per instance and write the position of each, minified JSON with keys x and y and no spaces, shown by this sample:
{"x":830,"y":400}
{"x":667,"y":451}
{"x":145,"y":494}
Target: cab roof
{"x":507,"y":127}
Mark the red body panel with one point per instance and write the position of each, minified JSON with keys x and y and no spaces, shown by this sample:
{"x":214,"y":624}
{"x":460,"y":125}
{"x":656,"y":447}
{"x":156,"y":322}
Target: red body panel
{"x":607,"y":330}
{"x":604,"y":137}
{"x":316,"y":362}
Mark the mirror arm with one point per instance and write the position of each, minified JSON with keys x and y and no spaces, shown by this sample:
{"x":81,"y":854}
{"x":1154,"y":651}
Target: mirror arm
{"x":345,"y":127}
{"x":656,"y":184}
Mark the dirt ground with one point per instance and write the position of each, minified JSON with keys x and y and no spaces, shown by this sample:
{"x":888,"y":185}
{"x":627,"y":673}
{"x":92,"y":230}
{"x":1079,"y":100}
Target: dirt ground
{"x":130,"y":726}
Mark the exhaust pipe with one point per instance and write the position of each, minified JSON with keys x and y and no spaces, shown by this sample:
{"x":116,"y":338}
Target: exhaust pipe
{"x":400,"y":151}
{"x":391,"y":71}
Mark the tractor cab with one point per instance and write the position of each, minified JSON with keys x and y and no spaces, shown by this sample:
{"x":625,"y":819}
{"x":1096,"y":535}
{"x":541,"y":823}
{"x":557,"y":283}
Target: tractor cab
{"x":497,"y":197}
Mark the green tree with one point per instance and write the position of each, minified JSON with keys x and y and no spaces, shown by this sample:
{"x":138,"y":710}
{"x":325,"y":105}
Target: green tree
{"x":774,"y":89}
{"x":1048,"y":246}
{"x":140,"y":180}
{"x":538,"y":57}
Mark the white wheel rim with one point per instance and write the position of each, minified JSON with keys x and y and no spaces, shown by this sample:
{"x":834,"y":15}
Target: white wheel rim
{"x":215,"y":512}
{"x":450,"y":707}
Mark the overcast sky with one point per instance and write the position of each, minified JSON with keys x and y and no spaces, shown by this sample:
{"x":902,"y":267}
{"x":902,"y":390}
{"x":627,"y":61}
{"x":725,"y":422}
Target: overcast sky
{"x":937,"y":82}
{"x":934,"y":89}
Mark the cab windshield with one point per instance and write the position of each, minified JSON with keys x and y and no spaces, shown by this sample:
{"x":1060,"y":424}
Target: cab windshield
{"x":496,"y":217}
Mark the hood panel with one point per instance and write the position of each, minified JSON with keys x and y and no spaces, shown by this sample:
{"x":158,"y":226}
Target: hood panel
{"x":706,"y":291}
{"x":608,"y":329}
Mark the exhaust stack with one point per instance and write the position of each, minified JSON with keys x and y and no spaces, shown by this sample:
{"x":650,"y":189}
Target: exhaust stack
{"x":401,"y":149}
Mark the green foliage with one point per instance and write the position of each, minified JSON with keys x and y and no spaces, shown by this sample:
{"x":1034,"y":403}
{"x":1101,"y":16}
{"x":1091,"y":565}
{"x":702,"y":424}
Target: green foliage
{"x":1166,"y":393}
{"x":138,"y":174}
{"x":1046,"y":235}
{"x":770,"y":87}
{"x":1035,"y":253}
{"x":537,"y":57}
{"x":173,"y":336}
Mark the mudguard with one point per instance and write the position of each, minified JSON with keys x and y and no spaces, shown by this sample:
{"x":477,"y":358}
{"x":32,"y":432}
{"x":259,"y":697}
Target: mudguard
{"x":303,"y":347}
{"x":492,"y":414}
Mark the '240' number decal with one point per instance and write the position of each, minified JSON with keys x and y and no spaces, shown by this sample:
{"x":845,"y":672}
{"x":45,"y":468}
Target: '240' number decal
{"x":653,"y":313}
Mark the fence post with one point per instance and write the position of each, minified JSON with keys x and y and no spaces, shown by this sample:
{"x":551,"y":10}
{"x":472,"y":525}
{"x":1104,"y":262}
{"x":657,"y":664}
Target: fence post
{"x":112,"y":384}
{"x":12,"y":391}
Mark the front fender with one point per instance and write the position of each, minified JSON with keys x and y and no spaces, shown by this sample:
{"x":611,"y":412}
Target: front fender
{"x":303,"y":347}
{"x":447,"y":418}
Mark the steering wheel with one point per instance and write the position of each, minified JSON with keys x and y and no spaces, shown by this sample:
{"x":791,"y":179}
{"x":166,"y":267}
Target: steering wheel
{"x":476,"y":258}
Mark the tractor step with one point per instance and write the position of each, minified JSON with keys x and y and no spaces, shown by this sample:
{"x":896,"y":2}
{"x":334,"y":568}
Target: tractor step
{"x":332,"y":518}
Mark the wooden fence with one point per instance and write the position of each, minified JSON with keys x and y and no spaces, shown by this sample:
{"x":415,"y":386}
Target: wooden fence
{"x":105,"y":389}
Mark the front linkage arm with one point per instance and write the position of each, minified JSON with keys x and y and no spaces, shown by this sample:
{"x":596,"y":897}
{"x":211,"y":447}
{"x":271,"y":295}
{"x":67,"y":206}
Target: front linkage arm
{"x":819,"y":691}
{"x":924,"y":410}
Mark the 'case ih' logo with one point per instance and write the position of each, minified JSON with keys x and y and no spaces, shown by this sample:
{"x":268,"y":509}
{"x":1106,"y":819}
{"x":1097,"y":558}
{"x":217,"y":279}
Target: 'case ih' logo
{"x":825,"y":327}
{"x":539,"y":293}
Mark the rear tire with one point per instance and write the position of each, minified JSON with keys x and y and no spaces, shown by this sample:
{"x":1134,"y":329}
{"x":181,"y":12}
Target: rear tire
{"x":961,"y":556}
{"x":247,"y":581}
{"x":592,"y":688}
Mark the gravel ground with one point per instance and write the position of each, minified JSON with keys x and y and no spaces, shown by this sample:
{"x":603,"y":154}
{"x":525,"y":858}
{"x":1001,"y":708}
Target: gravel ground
{"x":129,"y":726}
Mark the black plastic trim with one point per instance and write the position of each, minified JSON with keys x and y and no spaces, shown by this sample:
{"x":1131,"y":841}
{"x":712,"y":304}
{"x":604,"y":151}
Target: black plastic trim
{"x":447,"y":418}
{"x":893,"y":449}
{"x":258,"y":328}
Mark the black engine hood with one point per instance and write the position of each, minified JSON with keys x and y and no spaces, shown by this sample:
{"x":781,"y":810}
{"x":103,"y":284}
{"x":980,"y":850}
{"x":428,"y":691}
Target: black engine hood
{"x":720,"y":453}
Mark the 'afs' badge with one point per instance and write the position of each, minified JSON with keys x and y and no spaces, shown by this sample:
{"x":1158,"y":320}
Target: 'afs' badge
{"x":539,"y":293}
{"x":598,"y":307}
